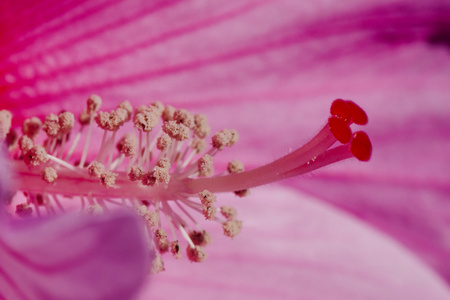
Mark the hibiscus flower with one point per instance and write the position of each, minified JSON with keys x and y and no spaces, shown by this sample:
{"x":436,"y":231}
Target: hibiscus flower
{"x":70,"y":257}
{"x":269,"y":69}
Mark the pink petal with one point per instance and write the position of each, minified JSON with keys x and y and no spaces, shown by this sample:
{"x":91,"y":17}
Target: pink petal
{"x":188,"y":52}
{"x":415,"y":213}
{"x":73,"y":257}
{"x":5,"y":184}
{"x":294,"y":247}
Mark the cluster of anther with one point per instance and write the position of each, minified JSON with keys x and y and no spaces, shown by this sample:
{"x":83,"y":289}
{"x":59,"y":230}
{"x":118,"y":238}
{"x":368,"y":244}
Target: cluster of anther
{"x":145,"y":169}
{"x":160,"y":168}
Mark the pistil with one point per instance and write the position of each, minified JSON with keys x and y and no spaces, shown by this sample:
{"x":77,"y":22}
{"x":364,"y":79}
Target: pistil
{"x":167,"y":172}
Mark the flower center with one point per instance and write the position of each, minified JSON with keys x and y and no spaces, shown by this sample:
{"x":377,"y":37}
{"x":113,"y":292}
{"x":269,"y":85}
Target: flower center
{"x":162,"y":169}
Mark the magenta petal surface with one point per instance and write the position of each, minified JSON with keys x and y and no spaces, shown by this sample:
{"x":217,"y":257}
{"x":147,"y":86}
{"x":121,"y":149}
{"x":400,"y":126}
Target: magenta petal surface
{"x":5,"y":184}
{"x":288,"y":59}
{"x":294,"y":247}
{"x":415,"y":213}
{"x":73,"y":257}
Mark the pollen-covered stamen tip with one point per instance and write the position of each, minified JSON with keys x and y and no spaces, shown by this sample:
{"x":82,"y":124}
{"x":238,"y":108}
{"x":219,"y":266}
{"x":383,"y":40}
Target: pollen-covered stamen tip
{"x":49,"y":174}
{"x":205,"y":165}
{"x":35,"y":156}
{"x":232,"y":228}
{"x":164,"y":142}
{"x":31,"y":127}
{"x":236,"y":166}
{"x":108,"y":179}
{"x":157,"y":265}
{"x":94,"y":103}
{"x":196,"y":254}
{"x":126,"y":105}
{"x":127,"y":145}
{"x":5,"y":123}
{"x":96,"y":169}
{"x":177,"y":131}
{"x":175,"y":249}
{"x":202,"y":128}
{"x":161,"y":240}
{"x":228,"y":212}
{"x":24,"y":210}
{"x":226,"y":137}
{"x":66,"y":122}
{"x":200,"y":238}
{"x":113,"y":120}
{"x":25,"y":143}
{"x":146,"y":120}
{"x":182,"y":116}
{"x":135,"y":173}
{"x":207,"y":199}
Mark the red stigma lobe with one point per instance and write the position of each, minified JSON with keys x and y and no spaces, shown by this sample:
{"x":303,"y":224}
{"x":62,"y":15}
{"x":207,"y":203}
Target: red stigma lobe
{"x":340,"y":129}
{"x":361,"y":147}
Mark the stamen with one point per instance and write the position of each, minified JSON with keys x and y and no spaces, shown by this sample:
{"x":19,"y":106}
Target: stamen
{"x":128,"y":145}
{"x":235,"y":166}
{"x":51,"y":125}
{"x":175,"y":249}
{"x":94,"y":210}
{"x":164,"y":142}
{"x":35,"y":156}
{"x":146,"y":120}
{"x":202,"y":129}
{"x":96,"y":169}
{"x":205,"y":165}
{"x":126,"y":105}
{"x":94,"y":103}
{"x":162,"y":241}
{"x":179,"y":132}
{"x":196,"y":254}
{"x":168,"y":113}
{"x":49,"y":174}
{"x":5,"y":124}
{"x":108,"y":179}
{"x":136,"y":173}
{"x":157,"y":265}
{"x":25,"y":143}
{"x":200,"y":238}
{"x":182,"y":116}
{"x":227,"y":137}
{"x":148,"y":171}
{"x":31,"y":127}
{"x":232,"y":227}
{"x":24,"y":210}
{"x":228,"y":212}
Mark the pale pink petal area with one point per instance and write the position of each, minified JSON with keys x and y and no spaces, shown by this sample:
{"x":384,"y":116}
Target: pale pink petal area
{"x":73,"y":257}
{"x":415,"y":213}
{"x":294,"y":247}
